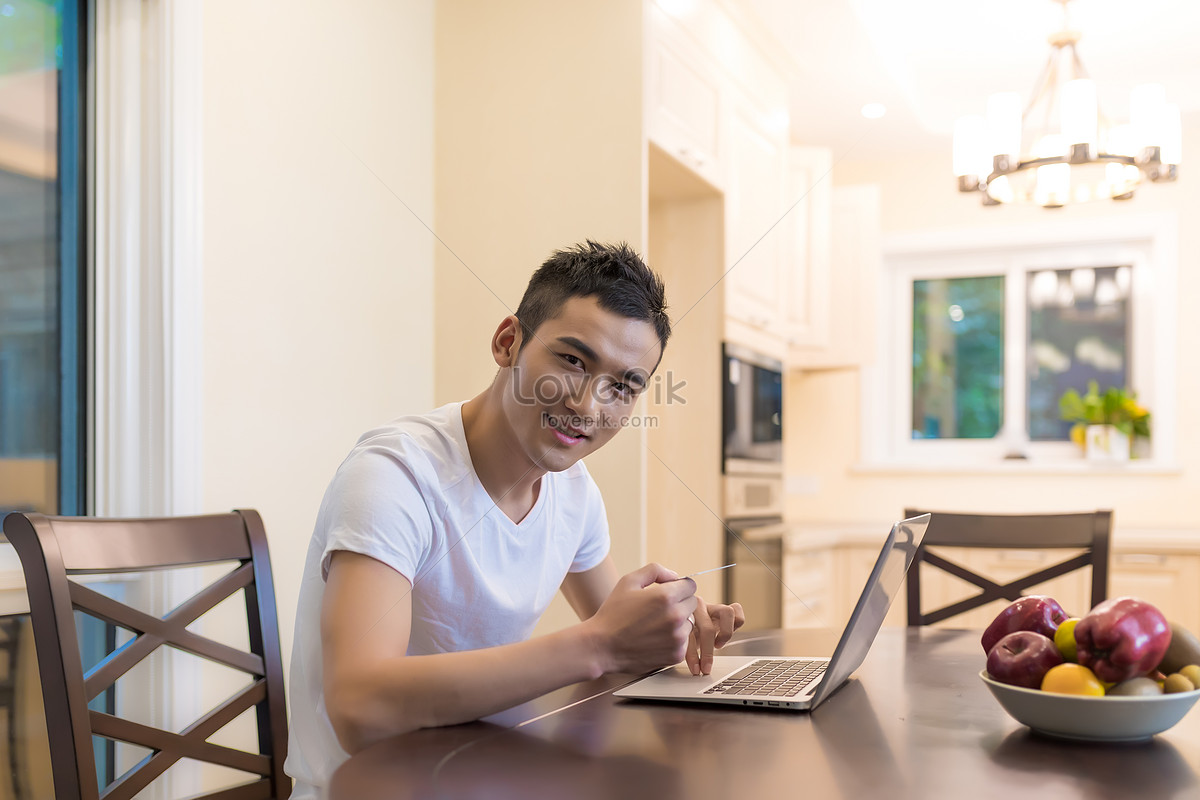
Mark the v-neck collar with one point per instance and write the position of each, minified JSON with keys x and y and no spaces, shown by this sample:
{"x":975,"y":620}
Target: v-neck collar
{"x":481,"y":492}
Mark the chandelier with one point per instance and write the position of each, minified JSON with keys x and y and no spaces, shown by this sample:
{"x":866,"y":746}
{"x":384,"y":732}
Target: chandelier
{"x":1060,"y":148}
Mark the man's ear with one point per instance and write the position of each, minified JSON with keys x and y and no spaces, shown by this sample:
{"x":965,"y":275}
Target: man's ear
{"x":506,"y":341}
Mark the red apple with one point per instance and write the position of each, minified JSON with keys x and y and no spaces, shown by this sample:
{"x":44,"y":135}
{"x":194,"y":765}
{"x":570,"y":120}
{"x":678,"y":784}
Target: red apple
{"x":1121,"y":638}
{"x":1036,"y":613}
{"x":1023,"y":658}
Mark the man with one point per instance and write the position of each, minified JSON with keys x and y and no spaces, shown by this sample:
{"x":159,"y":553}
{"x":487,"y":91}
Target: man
{"x":443,"y":538}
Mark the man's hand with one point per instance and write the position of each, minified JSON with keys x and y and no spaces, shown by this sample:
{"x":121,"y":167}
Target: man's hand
{"x":714,"y":627}
{"x":644,"y":625}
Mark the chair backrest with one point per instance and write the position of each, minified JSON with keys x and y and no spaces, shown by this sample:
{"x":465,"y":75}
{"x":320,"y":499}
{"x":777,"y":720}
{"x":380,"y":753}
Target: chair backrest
{"x":1086,"y":531}
{"x":54,"y":549}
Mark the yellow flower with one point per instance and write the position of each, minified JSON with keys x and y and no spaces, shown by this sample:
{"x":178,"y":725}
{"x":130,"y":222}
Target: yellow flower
{"x":1079,"y":434}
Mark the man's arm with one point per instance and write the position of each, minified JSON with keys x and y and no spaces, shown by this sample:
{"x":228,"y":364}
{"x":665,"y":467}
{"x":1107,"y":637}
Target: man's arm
{"x":586,"y":591}
{"x":373,"y":690}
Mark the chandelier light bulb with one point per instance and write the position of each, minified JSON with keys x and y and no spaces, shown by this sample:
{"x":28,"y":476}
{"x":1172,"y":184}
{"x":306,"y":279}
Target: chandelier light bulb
{"x":1147,"y":106}
{"x":1172,"y":140}
{"x":1004,"y":123}
{"x":1080,"y":115}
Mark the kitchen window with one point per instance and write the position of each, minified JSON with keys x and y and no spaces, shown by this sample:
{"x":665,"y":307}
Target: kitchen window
{"x":983,"y":332}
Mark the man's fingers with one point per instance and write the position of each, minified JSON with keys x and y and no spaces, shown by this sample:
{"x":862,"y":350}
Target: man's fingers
{"x":651,"y":574}
{"x":691,"y":656}
{"x":706,"y":633}
{"x":723,"y":619}
{"x":739,"y":616}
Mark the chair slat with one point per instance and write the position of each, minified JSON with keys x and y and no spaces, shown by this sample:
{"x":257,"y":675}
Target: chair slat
{"x":228,"y":711}
{"x":126,"y":545}
{"x":125,"y":730}
{"x":141,"y":775}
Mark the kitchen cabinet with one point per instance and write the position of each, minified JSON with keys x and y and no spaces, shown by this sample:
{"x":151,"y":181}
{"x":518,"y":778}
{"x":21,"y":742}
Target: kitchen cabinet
{"x":808,"y":590}
{"x":805,"y":257}
{"x":716,"y":102}
{"x":683,"y":100}
{"x":754,"y":203}
{"x":1170,"y":581}
{"x":834,"y":279}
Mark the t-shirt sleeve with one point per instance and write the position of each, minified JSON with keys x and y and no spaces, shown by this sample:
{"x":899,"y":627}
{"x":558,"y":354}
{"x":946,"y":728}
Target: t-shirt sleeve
{"x":593,"y":545}
{"x":374,"y":506}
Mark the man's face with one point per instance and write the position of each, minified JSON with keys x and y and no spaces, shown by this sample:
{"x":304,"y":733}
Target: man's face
{"x":575,"y":382}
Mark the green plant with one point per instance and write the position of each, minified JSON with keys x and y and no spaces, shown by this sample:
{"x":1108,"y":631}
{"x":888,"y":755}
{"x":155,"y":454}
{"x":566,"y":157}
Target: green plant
{"x":1113,"y":406}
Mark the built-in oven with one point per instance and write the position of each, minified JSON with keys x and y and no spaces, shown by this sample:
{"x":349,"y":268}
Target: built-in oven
{"x":751,"y":410}
{"x":756,"y":547}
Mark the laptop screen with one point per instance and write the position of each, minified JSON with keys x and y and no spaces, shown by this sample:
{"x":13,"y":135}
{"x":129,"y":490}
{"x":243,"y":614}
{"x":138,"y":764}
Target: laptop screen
{"x":881,"y":588}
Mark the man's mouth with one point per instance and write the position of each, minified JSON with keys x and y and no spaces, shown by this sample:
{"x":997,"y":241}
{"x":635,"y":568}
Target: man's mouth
{"x":567,"y":434}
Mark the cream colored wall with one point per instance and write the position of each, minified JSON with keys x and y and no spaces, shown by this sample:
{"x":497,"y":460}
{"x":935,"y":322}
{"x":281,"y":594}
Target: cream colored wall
{"x":318,"y":283}
{"x":539,"y":145}
{"x":823,"y":408}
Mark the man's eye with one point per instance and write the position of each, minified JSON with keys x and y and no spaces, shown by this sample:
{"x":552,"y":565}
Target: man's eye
{"x":623,"y":389}
{"x":574,"y":361}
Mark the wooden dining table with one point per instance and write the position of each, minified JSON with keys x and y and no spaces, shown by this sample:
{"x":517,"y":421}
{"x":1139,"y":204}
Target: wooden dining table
{"x":915,"y":721}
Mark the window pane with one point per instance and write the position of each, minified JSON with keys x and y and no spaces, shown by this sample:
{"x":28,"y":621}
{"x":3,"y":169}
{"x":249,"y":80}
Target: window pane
{"x":30,"y":54}
{"x":1078,"y":332}
{"x":958,"y":358}
{"x":40,"y":283}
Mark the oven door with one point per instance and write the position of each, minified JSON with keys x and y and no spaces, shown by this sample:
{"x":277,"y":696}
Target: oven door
{"x":756,"y":546}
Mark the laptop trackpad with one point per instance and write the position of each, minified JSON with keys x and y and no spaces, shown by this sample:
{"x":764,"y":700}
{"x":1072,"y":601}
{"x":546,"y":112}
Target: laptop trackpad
{"x":678,"y":681}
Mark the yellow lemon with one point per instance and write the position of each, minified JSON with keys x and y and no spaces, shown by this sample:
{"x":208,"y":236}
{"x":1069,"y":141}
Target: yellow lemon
{"x":1064,"y":638}
{"x":1072,"y":679}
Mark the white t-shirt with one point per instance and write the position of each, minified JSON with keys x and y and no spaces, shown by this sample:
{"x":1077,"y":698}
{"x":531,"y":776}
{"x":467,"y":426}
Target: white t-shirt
{"x":408,"y":496}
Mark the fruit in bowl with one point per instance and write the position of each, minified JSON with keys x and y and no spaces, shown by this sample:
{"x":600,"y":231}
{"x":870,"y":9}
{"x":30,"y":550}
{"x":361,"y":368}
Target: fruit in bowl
{"x":1023,"y":658}
{"x":1122,"y":638}
{"x":1121,"y":672}
{"x":1037,"y":613}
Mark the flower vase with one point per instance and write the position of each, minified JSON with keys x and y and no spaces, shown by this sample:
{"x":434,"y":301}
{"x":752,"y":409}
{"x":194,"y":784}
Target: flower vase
{"x":1106,"y":444}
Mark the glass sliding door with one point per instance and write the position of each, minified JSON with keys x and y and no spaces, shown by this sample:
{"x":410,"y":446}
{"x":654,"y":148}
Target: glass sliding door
{"x":42,"y":256}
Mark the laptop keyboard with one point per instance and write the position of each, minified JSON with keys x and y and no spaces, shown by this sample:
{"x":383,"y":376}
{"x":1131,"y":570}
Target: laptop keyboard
{"x":772,"y":678}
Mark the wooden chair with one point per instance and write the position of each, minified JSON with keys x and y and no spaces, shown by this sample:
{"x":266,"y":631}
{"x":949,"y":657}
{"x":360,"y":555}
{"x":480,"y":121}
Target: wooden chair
{"x":1087,"y":531}
{"x":55,"y":549}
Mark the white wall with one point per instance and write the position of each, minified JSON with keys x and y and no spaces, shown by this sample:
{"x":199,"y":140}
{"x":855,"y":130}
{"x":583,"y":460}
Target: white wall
{"x":823,"y":408}
{"x":318,"y":283}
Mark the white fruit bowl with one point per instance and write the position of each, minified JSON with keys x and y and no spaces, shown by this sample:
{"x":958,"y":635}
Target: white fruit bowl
{"x":1093,"y":719}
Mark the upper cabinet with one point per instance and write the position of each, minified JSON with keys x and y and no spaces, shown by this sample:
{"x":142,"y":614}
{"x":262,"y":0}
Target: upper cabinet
{"x":754,"y":203}
{"x":716,"y":101}
{"x":839,"y":330}
{"x":683,"y":100}
{"x":805,"y":259}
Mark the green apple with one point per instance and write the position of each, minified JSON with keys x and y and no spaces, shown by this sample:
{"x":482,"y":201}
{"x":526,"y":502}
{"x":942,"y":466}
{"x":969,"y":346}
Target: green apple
{"x":1064,"y":638}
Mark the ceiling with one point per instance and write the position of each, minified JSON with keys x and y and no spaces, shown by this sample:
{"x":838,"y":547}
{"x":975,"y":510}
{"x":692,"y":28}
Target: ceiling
{"x":931,"y":61}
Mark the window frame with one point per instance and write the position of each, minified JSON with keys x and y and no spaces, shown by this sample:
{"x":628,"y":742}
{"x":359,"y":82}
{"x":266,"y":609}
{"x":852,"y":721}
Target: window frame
{"x":1148,"y":243}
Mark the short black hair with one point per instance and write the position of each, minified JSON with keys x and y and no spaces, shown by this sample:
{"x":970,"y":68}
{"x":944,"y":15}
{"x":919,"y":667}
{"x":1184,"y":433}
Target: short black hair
{"x":612,"y":273}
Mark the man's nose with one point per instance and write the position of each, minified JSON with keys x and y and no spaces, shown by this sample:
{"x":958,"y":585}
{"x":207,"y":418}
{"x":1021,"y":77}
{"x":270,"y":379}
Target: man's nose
{"x":583,"y":401}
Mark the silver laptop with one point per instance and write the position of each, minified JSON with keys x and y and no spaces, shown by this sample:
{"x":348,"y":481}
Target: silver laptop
{"x":797,"y":683}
